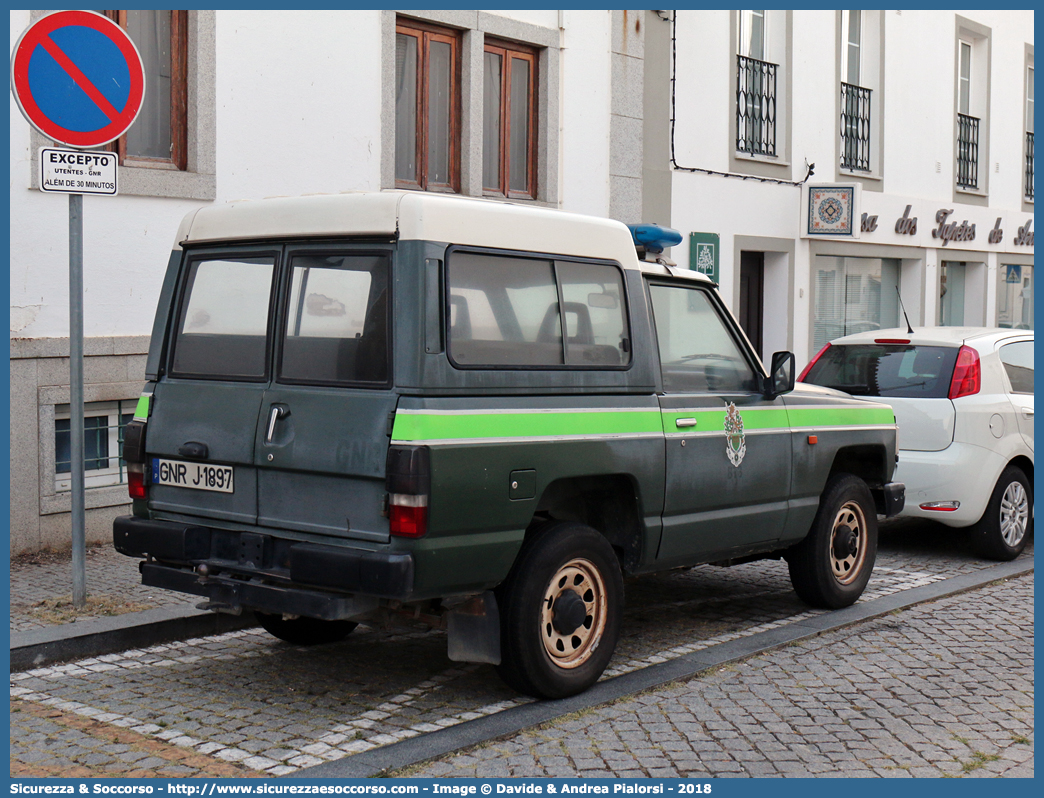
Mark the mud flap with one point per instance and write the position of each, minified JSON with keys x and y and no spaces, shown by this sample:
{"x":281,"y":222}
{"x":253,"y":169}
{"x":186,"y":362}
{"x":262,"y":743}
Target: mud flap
{"x":474,"y":630}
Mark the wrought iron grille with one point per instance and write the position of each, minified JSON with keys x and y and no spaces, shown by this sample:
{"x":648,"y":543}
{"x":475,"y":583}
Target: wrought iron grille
{"x":855,"y":128}
{"x":1029,"y":166}
{"x":967,"y":151}
{"x":755,"y":106}
{"x":102,"y":445}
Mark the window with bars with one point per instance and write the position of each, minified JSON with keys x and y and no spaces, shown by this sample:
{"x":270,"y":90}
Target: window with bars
{"x":1029,"y":165}
{"x":509,"y":121}
{"x":1029,"y":133}
{"x":967,"y":151}
{"x":755,"y":106}
{"x":855,"y":128}
{"x":855,"y":98}
{"x":103,"y":462}
{"x":967,"y":125}
{"x":427,"y":107}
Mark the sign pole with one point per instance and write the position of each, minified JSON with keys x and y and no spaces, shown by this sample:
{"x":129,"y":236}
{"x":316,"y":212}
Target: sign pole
{"x":76,"y":437}
{"x":78,"y":79}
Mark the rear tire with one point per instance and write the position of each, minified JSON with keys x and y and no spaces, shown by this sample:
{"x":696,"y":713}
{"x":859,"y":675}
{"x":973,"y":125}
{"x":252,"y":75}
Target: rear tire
{"x":305,"y":631}
{"x":560,"y":611}
{"x":1004,"y":528}
{"x":832,"y":565}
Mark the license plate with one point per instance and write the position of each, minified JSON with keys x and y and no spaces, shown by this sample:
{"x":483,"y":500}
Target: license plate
{"x":198,"y":476}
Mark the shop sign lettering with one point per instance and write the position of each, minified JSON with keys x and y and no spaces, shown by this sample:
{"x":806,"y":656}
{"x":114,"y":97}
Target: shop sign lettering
{"x":1025,"y":235}
{"x":868,"y":223}
{"x":996,"y":234}
{"x":952,"y":231}
{"x":905,"y":225}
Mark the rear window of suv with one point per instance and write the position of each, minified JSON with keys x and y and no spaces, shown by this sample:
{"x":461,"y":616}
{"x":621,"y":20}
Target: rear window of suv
{"x":901,"y":370}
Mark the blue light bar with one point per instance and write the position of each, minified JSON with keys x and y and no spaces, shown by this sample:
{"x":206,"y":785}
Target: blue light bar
{"x":654,"y":237}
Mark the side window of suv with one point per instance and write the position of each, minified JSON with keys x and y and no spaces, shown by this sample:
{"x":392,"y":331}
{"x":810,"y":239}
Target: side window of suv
{"x":1018,"y":363}
{"x":697,"y":351}
{"x":508,"y":311}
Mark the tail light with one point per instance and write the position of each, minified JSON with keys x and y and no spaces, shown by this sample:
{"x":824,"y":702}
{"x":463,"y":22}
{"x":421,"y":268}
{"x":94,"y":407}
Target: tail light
{"x":408,"y":515}
{"x":134,"y":456}
{"x":967,"y":374}
{"x":812,"y":362}
{"x":136,"y":480}
{"x":408,"y":481}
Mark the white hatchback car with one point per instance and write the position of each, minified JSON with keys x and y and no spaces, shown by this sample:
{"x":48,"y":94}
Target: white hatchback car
{"x":963,"y":402}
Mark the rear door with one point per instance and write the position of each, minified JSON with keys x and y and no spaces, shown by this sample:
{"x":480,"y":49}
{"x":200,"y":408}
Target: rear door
{"x":1017,"y":358}
{"x":205,"y":408}
{"x":728,"y":450}
{"x":323,"y":437}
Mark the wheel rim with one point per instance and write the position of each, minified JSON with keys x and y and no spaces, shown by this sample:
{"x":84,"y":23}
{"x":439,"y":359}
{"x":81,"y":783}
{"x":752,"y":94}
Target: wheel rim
{"x":572,"y":648}
{"x":1014,"y":514}
{"x":848,"y":540}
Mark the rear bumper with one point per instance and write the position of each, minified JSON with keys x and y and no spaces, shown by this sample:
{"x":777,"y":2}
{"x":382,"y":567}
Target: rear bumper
{"x":960,"y":472}
{"x":245,"y":569}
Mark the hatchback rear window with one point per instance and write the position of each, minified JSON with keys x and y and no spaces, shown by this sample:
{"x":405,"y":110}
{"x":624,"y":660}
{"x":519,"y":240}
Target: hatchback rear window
{"x":886,"y":370}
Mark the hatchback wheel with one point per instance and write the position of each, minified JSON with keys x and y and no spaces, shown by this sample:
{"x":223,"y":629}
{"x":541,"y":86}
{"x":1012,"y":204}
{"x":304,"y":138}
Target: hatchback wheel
{"x":1004,"y":528}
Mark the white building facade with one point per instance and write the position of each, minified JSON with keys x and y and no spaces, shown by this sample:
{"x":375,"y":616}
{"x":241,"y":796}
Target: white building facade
{"x":700,"y":120}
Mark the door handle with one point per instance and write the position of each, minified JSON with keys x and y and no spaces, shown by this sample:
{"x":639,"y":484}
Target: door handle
{"x":1027,"y":412}
{"x":277,"y":413}
{"x":194,"y":450}
{"x":685,"y":422}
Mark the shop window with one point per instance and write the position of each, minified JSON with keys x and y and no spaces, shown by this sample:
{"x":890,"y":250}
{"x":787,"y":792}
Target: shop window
{"x":951,"y":294}
{"x":853,"y":295}
{"x":1015,"y":296}
{"x":427,"y":107}
{"x":103,"y":423}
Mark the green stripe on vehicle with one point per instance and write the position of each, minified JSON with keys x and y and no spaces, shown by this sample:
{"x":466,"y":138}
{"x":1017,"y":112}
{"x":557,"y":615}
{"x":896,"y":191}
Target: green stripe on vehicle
{"x":469,"y":426}
{"x":479,"y":425}
{"x":141,"y":412}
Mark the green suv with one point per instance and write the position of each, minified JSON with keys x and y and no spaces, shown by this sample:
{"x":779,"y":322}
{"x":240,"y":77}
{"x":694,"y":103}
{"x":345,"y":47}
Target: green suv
{"x":398,"y":405}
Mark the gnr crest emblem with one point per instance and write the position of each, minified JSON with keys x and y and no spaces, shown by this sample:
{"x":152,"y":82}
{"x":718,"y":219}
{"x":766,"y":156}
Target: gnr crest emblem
{"x":735,"y":440}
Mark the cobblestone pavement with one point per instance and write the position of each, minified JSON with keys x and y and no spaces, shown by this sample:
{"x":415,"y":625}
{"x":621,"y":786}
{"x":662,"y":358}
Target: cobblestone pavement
{"x":247,"y":698}
{"x":111,"y":577}
{"x":939,"y":690}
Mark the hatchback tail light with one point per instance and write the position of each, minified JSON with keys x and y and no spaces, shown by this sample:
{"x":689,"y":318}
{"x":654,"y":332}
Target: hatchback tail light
{"x":967,"y":374}
{"x":812,"y":362}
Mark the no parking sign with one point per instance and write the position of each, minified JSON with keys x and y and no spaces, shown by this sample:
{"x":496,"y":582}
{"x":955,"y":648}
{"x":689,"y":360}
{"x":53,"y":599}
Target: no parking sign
{"x":78,"y":78}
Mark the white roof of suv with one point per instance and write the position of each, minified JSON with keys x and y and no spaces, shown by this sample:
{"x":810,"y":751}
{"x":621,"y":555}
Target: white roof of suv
{"x":414,"y":215}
